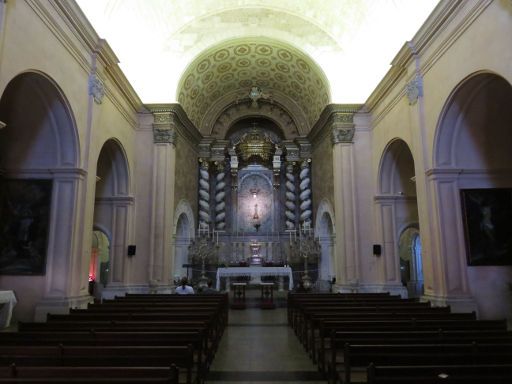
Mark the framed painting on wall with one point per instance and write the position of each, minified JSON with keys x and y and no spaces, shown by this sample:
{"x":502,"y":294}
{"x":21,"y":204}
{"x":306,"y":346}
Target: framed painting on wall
{"x":487,"y":215}
{"x":24,"y":223}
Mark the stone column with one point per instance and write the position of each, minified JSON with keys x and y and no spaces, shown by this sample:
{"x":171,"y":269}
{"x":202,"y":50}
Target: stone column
{"x":66,"y":274}
{"x":305,"y":191}
{"x":291,"y":198}
{"x":204,"y":194}
{"x":220,"y":196}
{"x":447,"y":283}
{"x":346,"y":247}
{"x":388,"y":262}
{"x":164,"y":160}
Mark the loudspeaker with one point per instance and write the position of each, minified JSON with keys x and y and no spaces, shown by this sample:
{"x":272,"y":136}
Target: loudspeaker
{"x":377,"y":249}
{"x":131,"y":250}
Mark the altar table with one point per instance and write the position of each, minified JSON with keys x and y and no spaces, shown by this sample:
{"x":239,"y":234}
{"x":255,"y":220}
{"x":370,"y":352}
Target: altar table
{"x":8,"y":300}
{"x":255,"y":272}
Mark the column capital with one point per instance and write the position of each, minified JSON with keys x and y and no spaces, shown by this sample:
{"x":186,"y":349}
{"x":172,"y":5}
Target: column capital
{"x":342,"y":127}
{"x":164,"y":127}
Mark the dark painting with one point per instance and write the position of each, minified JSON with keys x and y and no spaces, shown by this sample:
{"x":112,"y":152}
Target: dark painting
{"x":24,"y":222}
{"x":487,"y":217}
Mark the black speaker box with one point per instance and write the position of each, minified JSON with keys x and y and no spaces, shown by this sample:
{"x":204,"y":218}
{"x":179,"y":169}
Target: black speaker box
{"x":377,"y":249}
{"x":131,"y":250}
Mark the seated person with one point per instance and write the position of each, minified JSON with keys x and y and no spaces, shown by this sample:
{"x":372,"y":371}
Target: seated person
{"x":209,"y":289}
{"x":184,"y":288}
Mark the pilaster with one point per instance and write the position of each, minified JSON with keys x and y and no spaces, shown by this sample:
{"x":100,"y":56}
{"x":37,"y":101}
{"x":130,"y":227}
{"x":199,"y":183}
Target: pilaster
{"x":342,"y":128}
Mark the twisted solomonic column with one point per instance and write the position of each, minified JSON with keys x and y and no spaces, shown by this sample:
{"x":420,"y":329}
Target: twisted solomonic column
{"x":291,"y":197}
{"x":220,"y":198}
{"x":204,"y":194}
{"x":305,"y":192}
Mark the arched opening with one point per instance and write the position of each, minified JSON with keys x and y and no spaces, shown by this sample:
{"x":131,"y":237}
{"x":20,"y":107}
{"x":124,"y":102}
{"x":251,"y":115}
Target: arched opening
{"x":325,"y":236}
{"x":38,"y":184}
{"x":99,"y":264}
{"x":182,"y":242}
{"x":397,"y":208}
{"x":112,"y":207}
{"x":474,"y":137}
{"x":411,"y":270}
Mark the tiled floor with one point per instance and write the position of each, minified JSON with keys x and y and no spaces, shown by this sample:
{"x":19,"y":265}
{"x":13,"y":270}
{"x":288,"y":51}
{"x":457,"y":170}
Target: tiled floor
{"x":259,"y":347}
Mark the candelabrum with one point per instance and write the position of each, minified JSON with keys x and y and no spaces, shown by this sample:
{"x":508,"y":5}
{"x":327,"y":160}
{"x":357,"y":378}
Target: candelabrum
{"x":307,"y":248}
{"x":203,"y":249}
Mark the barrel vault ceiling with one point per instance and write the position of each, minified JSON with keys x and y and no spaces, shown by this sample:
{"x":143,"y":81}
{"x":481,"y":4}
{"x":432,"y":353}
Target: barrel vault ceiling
{"x":302,"y":53}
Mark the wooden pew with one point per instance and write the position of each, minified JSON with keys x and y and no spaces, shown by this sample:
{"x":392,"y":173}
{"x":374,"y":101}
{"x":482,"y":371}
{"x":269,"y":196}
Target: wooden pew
{"x":339,"y":339}
{"x":203,"y":354}
{"x":93,"y":375}
{"x":316,"y":330}
{"x":439,"y":374}
{"x":360,"y":356}
{"x":93,"y":356}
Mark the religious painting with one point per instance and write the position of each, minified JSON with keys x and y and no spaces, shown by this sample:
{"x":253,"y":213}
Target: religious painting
{"x":487,"y":215}
{"x":24,"y":223}
{"x":255,"y":204}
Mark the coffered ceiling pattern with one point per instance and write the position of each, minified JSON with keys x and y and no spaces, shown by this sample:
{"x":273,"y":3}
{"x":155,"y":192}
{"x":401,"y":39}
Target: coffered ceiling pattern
{"x":241,"y":65}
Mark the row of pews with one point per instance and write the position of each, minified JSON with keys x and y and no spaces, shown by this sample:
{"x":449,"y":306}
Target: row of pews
{"x":136,"y":338}
{"x":378,"y":338}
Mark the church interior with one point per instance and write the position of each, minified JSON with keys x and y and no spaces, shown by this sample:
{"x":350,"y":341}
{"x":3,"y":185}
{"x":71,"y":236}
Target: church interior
{"x":255,"y":144}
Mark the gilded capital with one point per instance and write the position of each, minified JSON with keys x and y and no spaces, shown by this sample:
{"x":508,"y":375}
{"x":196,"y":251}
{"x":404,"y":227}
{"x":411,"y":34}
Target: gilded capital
{"x":342,"y":127}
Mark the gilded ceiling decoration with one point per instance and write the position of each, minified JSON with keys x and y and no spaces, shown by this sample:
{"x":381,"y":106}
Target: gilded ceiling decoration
{"x":241,"y":65}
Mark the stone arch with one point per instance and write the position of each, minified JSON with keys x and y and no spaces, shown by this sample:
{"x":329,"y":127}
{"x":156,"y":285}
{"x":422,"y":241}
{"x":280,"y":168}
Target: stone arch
{"x":325,"y":231}
{"x":183,"y":232}
{"x":471,"y":152}
{"x":460,"y":122}
{"x":235,"y":112}
{"x":113,"y":171}
{"x":396,"y":169}
{"x":40,"y":141}
{"x":45,"y":138}
{"x":396,"y":206}
{"x":113,"y":204}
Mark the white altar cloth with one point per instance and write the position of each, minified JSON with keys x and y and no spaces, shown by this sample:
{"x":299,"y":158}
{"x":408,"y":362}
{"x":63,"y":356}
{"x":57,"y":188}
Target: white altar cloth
{"x":255,"y":272}
{"x":8,"y":300}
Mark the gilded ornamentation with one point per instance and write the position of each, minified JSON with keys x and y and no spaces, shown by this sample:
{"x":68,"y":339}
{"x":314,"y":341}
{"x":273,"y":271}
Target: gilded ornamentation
{"x":255,"y":145}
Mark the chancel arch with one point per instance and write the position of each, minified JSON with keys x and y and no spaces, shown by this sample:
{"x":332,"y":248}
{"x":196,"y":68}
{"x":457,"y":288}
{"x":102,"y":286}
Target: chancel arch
{"x":396,"y":207}
{"x":39,"y":159}
{"x":113,"y":205}
{"x":472,"y":180}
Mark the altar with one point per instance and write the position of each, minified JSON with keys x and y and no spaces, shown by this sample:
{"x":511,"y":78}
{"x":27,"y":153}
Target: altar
{"x":255,"y":272}
{"x":7,"y":302}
